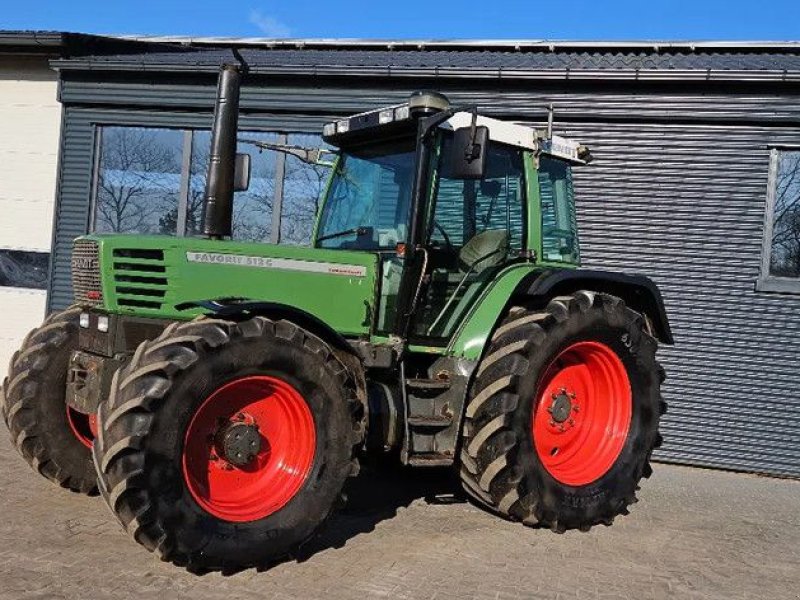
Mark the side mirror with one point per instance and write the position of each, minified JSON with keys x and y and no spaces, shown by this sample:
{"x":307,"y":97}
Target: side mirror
{"x":467,"y":154}
{"x":241,"y":176}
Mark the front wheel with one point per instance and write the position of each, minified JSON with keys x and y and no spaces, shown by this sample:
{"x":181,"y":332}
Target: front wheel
{"x":54,"y":438}
{"x":564,"y":413}
{"x":225,"y":445}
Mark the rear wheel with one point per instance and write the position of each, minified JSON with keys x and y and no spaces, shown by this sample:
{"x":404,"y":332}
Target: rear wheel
{"x":225,"y":445}
{"x":55,"y":439}
{"x":564,"y":413}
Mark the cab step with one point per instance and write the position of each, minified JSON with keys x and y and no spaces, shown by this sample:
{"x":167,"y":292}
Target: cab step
{"x":430,"y":421}
{"x":430,"y":459}
{"x":427,"y":385}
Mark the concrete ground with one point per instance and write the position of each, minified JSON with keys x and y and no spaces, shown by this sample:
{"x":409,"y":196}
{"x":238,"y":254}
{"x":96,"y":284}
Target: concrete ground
{"x":695,"y":534}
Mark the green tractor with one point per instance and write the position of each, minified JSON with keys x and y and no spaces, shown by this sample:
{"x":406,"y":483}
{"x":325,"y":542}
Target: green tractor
{"x":218,"y":394}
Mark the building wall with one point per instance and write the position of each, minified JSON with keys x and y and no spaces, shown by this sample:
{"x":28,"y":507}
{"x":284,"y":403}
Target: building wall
{"x":677,"y":192}
{"x":30,"y":118}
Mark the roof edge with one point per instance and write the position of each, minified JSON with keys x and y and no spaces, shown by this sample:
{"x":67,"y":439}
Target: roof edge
{"x":488,"y":44}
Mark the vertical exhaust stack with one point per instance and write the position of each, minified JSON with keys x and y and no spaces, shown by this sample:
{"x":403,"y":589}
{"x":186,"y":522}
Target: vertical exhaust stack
{"x":218,"y":202}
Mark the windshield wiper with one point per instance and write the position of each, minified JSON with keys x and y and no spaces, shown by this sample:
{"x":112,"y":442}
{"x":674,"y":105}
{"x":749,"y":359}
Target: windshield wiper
{"x":359,"y":231}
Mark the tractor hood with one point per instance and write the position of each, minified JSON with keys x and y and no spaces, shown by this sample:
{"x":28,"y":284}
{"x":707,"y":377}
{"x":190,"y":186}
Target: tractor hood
{"x":150,"y":276}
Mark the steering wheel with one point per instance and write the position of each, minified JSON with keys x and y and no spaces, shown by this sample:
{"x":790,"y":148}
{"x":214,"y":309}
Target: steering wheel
{"x":446,"y":237}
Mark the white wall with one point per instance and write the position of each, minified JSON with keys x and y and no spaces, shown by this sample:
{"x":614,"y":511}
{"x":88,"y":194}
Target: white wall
{"x":30,"y":121}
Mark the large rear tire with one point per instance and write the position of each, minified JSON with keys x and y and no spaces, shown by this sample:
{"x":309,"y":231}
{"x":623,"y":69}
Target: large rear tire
{"x":225,"y":445}
{"x":53,"y":438}
{"x":563,"y":414}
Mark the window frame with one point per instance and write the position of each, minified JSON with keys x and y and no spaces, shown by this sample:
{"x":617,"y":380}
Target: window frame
{"x":767,"y":282}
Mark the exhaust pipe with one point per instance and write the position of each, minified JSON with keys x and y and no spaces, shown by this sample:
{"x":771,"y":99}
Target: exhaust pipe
{"x":218,"y":200}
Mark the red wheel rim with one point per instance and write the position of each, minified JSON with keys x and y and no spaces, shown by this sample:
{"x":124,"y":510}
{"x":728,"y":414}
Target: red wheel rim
{"x":582,"y":413}
{"x":83,"y":426}
{"x":275,"y":473}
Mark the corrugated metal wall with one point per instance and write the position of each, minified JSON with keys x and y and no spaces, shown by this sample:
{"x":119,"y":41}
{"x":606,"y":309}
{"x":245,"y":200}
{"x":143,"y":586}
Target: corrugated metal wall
{"x":677,"y":191}
{"x":685,"y":205}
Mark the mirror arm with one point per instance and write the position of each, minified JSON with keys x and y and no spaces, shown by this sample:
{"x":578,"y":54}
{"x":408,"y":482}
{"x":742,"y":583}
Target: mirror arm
{"x":310,"y":156}
{"x":474,"y":150}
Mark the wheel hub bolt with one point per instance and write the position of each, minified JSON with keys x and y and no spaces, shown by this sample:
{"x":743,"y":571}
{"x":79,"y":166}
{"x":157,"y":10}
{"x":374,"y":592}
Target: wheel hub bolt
{"x":238,"y":442}
{"x":561,"y":407}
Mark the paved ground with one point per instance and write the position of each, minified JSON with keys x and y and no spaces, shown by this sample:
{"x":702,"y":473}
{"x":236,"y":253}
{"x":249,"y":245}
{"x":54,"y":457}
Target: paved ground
{"x":695,"y":534}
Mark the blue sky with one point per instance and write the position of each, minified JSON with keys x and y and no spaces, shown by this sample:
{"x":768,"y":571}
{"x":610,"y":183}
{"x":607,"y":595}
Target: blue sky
{"x":535,"y":19}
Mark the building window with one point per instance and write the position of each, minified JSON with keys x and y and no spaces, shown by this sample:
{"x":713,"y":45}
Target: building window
{"x":252,"y":209}
{"x":152,"y":181}
{"x":780,"y":269}
{"x":138,"y":180}
{"x":21,"y":269}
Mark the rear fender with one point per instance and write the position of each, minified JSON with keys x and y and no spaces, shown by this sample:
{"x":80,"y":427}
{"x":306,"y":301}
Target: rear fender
{"x":640,"y":293}
{"x":535,"y":287}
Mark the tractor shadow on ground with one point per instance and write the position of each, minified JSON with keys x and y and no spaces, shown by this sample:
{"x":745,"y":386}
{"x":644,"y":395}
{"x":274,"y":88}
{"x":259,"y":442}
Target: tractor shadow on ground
{"x":377,"y":494}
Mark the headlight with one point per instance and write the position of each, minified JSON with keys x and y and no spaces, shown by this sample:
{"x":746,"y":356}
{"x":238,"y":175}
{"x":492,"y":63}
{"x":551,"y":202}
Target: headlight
{"x":329,"y":129}
{"x":342,"y":126}
{"x":102,"y":323}
{"x":83,"y":320}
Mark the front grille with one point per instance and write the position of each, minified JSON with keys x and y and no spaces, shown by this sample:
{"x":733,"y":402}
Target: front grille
{"x":140,"y":278}
{"x":86,"y":272}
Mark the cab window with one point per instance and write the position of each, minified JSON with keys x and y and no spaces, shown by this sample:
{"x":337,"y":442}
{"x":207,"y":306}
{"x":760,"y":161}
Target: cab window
{"x":559,"y":227}
{"x":368,"y":203}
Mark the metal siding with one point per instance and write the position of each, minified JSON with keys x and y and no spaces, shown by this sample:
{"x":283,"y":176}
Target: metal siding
{"x":331,"y":98}
{"x":685,"y":205}
{"x":679,"y":196}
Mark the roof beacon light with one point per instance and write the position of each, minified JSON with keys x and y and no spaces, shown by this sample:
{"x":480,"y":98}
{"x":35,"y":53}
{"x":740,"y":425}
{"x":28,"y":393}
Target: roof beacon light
{"x":427,"y":103}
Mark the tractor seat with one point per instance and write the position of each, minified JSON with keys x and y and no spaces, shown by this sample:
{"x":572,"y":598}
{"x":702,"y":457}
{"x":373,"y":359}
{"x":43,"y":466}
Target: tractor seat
{"x":483,"y":251}
{"x":476,"y":258}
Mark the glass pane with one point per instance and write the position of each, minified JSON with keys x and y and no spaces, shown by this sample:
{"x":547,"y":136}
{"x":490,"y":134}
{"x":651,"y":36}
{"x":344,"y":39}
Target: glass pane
{"x":785,"y":255}
{"x":465,"y":208}
{"x":303,"y":188}
{"x":252,"y":209}
{"x":369,"y":199}
{"x":559,"y":228}
{"x":24,"y":269}
{"x":138,"y":182}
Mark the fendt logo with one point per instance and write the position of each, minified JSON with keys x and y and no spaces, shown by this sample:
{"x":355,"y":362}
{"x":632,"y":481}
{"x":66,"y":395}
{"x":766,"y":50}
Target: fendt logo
{"x":84,"y":263}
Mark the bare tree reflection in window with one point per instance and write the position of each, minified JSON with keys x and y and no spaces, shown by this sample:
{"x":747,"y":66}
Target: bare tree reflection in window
{"x":138,"y":180}
{"x":304,"y":185}
{"x":785,"y":255}
{"x":252,"y":209}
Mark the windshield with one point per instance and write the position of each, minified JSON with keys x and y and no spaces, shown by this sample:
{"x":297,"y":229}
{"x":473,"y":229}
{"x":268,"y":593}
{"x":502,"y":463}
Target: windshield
{"x":368,"y":199}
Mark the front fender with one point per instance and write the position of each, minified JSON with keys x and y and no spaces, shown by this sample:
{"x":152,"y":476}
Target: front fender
{"x":244,"y":308}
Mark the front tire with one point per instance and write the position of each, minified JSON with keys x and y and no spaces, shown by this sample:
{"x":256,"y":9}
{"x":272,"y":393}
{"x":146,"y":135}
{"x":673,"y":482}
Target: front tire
{"x":563,"y":414}
{"x":176,"y":475}
{"x":53,"y":438}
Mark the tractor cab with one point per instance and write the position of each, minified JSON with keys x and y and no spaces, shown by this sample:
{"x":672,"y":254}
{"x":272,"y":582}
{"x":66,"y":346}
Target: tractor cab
{"x":447,"y":198}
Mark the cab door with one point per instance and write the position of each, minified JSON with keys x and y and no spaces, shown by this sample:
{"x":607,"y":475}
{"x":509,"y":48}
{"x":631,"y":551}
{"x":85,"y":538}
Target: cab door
{"x":475,"y":227}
